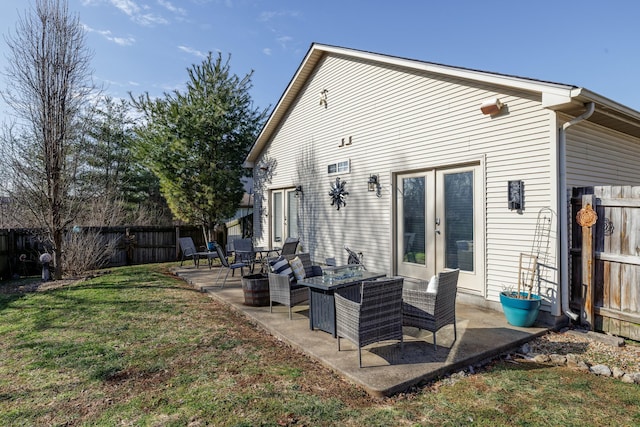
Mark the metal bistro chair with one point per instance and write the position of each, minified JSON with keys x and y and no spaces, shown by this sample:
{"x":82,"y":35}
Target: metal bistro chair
{"x":375,"y":316}
{"x":189,"y":251}
{"x":430,"y":310}
{"x":244,"y":252}
{"x":290,"y":246}
{"x":226,"y":266}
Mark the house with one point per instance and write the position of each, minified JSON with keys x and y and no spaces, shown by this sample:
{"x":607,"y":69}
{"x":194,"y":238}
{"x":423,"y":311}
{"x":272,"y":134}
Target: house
{"x":438,"y":167}
{"x":240,"y":225}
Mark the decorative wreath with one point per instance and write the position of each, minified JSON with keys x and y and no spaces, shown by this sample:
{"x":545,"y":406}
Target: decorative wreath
{"x":338,"y":194}
{"x":586,"y":216}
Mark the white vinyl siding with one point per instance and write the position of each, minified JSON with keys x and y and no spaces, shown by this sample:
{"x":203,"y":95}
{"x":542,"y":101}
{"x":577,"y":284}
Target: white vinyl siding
{"x":599,"y":156}
{"x":403,"y":120}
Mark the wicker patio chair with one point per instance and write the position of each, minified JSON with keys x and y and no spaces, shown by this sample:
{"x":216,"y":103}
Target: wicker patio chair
{"x":226,"y":265}
{"x":375,"y":316}
{"x":431,"y":311}
{"x":282,"y":291}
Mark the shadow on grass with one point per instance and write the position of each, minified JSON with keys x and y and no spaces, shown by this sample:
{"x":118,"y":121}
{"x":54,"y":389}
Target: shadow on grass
{"x":6,"y":300}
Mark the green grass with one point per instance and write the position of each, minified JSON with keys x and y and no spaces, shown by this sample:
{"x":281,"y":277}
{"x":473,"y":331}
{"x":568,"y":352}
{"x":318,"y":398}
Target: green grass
{"x":139,"y":347}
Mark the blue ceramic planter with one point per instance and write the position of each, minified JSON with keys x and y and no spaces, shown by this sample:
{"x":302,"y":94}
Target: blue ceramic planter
{"x":520,"y":311}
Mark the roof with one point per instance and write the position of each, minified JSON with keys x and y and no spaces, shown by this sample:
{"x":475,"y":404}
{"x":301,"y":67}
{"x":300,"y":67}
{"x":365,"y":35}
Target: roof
{"x":568,"y":99}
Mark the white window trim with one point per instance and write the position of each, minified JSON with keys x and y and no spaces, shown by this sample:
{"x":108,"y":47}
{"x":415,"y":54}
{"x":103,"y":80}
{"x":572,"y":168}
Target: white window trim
{"x":338,"y":170}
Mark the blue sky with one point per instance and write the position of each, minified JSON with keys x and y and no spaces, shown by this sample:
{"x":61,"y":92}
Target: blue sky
{"x":147,"y":45}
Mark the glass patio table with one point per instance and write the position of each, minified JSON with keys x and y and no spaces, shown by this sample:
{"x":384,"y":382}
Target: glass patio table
{"x":322,"y":308}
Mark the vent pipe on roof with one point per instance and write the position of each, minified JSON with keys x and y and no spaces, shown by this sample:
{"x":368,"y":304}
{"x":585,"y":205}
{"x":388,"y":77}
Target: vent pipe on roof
{"x":563,"y":205}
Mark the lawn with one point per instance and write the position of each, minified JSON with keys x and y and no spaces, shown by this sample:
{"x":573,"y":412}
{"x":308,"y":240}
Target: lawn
{"x":137,"y":346}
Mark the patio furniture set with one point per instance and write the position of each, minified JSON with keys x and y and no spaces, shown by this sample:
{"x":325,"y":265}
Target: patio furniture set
{"x":350,"y":301}
{"x":363,"y":306}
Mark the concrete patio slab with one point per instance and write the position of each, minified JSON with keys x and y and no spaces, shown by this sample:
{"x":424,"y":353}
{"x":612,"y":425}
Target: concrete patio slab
{"x":388,"y":367}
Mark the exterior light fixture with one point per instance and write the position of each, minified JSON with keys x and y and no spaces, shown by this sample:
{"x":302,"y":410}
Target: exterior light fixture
{"x":298,"y":191}
{"x":515,"y":195}
{"x":491,"y":106}
{"x":374,"y":185}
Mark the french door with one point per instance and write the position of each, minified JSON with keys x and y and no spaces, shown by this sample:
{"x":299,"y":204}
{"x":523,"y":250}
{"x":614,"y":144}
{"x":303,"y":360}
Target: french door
{"x":284,"y":216}
{"x":439,"y":225}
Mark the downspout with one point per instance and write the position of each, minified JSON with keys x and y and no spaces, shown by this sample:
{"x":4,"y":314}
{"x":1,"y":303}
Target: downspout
{"x":562,"y":204}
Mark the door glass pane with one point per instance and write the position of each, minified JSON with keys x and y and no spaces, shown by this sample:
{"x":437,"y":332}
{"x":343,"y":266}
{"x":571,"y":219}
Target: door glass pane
{"x":276,"y":215}
{"x":292,"y":214}
{"x":413,"y":209}
{"x":458,"y":199}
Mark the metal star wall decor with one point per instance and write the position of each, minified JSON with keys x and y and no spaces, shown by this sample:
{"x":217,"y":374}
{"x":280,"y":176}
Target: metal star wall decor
{"x":338,"y":194}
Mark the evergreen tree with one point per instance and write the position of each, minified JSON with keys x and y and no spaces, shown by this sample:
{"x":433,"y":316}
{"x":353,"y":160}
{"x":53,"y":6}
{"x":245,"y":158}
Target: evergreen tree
{"x":111,"y":171}
{"x":195,"y":142}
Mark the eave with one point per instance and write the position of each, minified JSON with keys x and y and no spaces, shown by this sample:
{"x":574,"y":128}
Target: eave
{"x":559,"y":97}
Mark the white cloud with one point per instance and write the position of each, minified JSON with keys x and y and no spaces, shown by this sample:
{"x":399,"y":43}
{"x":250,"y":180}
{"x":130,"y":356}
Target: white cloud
{"x":266,"y":51}
{"x":129,"y":7}
{"x":138,"y":13}
{"x":122,"y":41}
{"x":269,"y":15}
{"x":171,"y":8}
{"x":150,"y":19}
{"x":192,"y":51}
{"x":284,"y":40}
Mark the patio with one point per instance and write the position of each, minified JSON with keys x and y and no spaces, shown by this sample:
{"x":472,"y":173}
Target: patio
{"x":387,"y":369}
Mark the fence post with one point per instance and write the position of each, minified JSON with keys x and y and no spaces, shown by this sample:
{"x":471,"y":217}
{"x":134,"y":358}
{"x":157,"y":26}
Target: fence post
{"x":177,"y":240}
{"x":587,"y":218}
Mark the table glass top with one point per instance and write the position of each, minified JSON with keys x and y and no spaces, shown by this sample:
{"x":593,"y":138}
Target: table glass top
{"x":327,"y":282}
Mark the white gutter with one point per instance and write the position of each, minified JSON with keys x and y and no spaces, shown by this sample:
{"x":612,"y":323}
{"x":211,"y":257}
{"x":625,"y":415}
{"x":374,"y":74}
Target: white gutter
{"x":562,"y":205}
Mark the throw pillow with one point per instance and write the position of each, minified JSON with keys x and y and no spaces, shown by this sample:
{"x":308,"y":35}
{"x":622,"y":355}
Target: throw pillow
{"x":298,"y":268}
{"x":432,"y":287}
{"x":281,"y":266}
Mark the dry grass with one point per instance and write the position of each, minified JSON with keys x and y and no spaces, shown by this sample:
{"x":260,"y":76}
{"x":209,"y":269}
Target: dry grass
{"x":139,"y":347}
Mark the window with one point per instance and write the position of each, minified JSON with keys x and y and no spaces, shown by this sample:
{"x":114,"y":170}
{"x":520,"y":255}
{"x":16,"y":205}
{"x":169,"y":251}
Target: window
{"x":339,"y":167}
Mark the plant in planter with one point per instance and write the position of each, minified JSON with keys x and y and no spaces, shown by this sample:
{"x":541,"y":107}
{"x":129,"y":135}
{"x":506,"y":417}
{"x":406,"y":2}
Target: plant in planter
{"x":521,"y":308}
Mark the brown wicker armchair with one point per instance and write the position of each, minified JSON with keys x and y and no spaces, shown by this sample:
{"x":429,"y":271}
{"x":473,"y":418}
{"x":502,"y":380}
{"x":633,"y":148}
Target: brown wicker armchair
{"x":375,"y":316}
{"x":283,"y":292}
{"x":432,"y":311}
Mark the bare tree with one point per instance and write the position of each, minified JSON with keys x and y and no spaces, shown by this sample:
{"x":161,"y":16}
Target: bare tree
{"x":49,"y":84}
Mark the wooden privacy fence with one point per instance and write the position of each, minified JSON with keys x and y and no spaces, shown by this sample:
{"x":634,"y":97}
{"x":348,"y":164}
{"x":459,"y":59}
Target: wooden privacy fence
{"x":605,"y":258}
{"x":20,"y":249}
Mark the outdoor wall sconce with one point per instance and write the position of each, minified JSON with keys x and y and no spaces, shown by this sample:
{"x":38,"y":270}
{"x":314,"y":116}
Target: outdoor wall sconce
{"x":298,"y":191}
{"x":323,"y":98}
{"x":374,"y":185}
{"x":491,"y":106}
{"x":515,"y":195}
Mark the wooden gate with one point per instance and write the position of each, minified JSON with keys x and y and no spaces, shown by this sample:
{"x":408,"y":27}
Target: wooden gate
{"x":605,"y":279}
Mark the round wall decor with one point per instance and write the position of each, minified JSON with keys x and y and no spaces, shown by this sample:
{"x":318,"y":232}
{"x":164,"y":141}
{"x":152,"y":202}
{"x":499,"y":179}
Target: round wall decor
{"x":338,"y":194}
